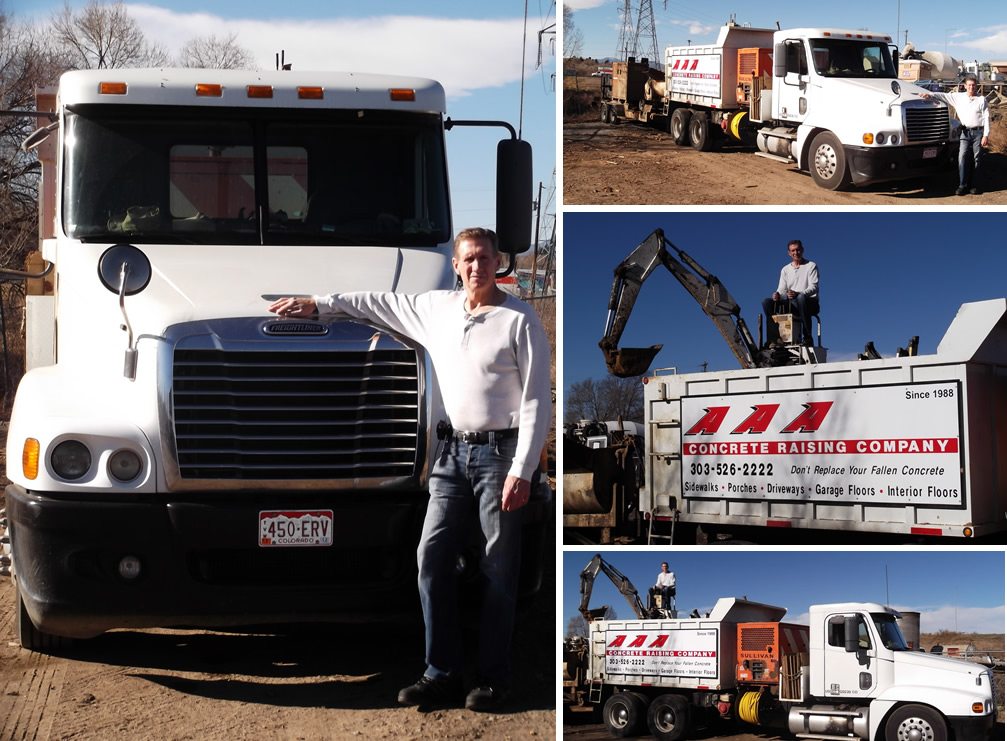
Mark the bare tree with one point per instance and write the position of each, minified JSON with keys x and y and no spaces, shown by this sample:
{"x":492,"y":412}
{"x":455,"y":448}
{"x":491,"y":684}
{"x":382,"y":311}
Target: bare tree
{"x":103,"y":36}
{"x":606,"y":400}
{"x":573,"y":39}
{"x":211,"y":52}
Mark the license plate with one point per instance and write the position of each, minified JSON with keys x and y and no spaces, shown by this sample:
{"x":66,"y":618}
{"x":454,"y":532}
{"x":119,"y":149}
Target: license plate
{"x":295,"y":528}
{"x":930,"y":153}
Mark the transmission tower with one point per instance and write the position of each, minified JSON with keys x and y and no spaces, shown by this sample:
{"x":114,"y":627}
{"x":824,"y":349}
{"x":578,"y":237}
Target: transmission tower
{"x":627,"y":32}
{"x":646,"y":32}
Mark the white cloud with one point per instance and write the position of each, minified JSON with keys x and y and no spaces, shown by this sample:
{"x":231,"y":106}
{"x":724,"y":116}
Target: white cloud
{"x":463,"y":55}
{"x":994,"y":44}
{"x":696,"y":29}
{"x":584,"y":4}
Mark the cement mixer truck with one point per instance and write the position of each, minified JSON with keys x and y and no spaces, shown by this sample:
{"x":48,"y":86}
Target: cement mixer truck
{"x":826,"y":99}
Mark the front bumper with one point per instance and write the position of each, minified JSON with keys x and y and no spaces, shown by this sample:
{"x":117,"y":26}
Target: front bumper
{"x":201,"y":562}
{"x":972,"y":728}
{"x":880,"y":164}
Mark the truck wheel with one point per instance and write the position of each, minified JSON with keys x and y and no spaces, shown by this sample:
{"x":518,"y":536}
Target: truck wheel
{"x":606,"y":114}
{"x":679,"y":126}
{"x":828,"y":161}
{"x":668,"y":717}
{"x":30,"y":637}
{"x":911,"y":722}
{"x":699,"y":133}
{"x":625,"y":714}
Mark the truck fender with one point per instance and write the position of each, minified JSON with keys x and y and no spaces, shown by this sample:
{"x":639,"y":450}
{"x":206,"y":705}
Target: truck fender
{"x":948,"y":701}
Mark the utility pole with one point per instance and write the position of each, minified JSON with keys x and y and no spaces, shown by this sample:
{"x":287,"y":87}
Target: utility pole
{"x":627,"y":32}
{"x":646,"y":32}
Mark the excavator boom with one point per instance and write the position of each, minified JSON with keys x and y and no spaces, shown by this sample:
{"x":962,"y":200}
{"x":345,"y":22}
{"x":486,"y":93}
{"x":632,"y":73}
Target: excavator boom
{"x":716,"y":302}
{"x":621,"y":582}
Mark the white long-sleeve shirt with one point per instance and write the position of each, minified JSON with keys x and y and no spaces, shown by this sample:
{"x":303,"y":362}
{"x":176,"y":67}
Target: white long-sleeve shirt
{"x":972,"y":112}
{"x":801,"y":279}
{"x":665,"y":579}
{"x":492,"y":367}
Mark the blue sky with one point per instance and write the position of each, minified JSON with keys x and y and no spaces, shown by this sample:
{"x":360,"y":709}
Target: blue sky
{"x":979,"y":32}
{"x":473,"y":49}
{"x":885,"y":276}
{"x":953,"y":590}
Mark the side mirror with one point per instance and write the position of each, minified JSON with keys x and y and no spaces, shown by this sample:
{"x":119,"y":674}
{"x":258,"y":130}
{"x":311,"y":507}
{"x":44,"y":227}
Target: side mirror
{"x":514,"y":195}
{"x":780,"y":60}
{"x":851,"y":634}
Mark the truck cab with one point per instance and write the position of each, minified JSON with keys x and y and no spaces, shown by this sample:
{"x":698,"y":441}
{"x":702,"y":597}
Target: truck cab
{"x":859,"y":657}
{"x":856,"y":122}
{"x":177,"y":455}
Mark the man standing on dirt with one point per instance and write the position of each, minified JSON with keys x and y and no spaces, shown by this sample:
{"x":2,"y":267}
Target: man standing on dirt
{"x":491,"y":356}
{"x":974,"y":114}
{"x":799,"y":286}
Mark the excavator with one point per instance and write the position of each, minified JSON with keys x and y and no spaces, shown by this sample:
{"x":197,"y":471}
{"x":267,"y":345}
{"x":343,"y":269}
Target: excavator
{"x":625,"y":587}
{"x":715,"y":300}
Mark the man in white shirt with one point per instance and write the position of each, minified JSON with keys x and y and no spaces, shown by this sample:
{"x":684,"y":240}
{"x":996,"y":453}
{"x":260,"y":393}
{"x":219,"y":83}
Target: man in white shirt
{"x":974,"y":115}
{"x":665,"y":586}
{"x":491,"y":357}
{"x":798,"y":286}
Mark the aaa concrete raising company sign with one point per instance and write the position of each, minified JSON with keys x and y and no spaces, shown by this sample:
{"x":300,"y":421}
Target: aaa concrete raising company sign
{"x":668,"y":653}
{"x":891,"y":444}
{"x":695,"y":74}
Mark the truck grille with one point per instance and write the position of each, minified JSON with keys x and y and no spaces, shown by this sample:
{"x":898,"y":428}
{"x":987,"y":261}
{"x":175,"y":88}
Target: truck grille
{"x":280,"y":413}
{"x":927,"y":124}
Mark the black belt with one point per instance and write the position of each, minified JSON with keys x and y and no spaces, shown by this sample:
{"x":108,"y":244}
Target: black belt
{"x":482,"y":438}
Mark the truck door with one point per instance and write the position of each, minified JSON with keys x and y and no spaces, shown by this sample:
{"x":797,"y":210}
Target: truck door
{"x":851,"y":660}
{"x":790,"y":95}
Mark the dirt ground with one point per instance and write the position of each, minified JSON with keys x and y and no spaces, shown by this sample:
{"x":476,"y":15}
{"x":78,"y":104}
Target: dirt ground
{"x":290,"y":682}
{"x":630,"y":163}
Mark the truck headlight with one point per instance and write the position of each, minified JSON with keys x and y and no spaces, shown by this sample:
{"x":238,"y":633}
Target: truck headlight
{"x":880,"y":139}
{"x":124,"y":465}
{"x":70,"y":459}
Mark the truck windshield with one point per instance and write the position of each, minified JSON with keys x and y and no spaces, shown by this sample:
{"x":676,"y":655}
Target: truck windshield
{"x":251,"y":176}
{"x":849,"y":58}
{"x":888,"y":629}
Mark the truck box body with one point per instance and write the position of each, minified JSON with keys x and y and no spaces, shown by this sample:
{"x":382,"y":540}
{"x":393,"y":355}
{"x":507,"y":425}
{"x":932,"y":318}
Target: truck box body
{"x":911,"y":445}
{"x":707,"y":75}
{"x":691,"y":653}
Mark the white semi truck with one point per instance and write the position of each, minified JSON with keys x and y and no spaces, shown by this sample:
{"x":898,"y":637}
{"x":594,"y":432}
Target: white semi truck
{"x":827,"y":99}
{"x":848,"y":674}
{"x":176,"y":454}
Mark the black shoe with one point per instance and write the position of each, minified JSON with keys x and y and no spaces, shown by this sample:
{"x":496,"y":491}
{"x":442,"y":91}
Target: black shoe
{"x":432,"y":692}
{"x":975,"y":191}
{"x":962,"y":190}
{"x":486,"y":698}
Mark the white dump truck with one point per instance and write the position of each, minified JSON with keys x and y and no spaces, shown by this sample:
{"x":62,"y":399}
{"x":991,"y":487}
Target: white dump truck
{"x":178,"y":455}
{"x":827,"y":99}
{"x":848,"y":674}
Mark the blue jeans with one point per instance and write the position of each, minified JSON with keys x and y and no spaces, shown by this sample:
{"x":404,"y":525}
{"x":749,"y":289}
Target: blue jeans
{"x":467,"y":480}
{"x":968,"y":161}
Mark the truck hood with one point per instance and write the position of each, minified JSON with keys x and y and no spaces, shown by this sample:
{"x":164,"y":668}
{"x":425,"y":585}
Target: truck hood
{"x":879,"y":91}
{"x":909,"y":664}
{"x":192,"y":282}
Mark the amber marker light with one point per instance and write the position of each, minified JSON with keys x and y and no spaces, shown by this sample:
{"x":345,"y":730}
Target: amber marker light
{"x":402,"y":95}
{"x":112,"y":88}
{"x":978,"y":708}
{"x":967,"y":532}
{"x":868,"y":138}
{"x":310,"y":93}
{"x":209,"y":90}
{"x":260,"y":91}
{"x":29,"y":458}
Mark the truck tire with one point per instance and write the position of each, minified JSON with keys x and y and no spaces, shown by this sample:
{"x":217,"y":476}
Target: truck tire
{"x":700,"y":135}
{"x":30,"y":637}
{"x":604,"y":113}
{"x":915,"y":721}
{"x":828,"y":162}
{"x":668,"y":717}
{"x":625,"y":714}
{"x":679,"y":126}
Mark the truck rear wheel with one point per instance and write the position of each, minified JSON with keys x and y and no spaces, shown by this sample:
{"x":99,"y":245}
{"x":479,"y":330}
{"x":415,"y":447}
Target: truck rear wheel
{"x":668,"y":717}
{"x":911,"y":722}
{"x":828,"y":161}
{"x":700,"y":135}
{"x":625,"y":714}
{"x":679,"y":126}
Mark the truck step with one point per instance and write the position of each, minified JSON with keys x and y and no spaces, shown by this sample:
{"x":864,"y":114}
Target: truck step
{"x":776,"y":157}
{"x":826,"y":737}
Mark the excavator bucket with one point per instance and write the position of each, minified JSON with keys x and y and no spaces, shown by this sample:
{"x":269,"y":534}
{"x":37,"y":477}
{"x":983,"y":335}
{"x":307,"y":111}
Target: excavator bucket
{"x":629,"y":361}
